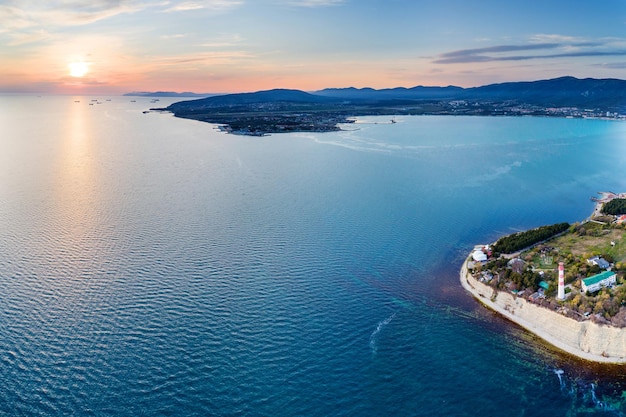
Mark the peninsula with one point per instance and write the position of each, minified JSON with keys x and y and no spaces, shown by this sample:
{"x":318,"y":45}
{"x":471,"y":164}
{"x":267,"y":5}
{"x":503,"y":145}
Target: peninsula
{"x":565,"y":283}
{"x":281,"y":110}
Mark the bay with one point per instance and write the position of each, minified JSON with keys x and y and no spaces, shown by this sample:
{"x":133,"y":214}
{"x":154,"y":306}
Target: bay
{"x":156,"y":266}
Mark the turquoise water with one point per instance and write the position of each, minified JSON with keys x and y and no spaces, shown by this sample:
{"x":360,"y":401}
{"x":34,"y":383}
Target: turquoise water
{"x":156,"y":266}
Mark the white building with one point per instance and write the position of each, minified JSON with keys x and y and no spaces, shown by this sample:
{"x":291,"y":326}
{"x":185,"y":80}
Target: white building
{"x":479,"y":256}
{"x":596,"y":282}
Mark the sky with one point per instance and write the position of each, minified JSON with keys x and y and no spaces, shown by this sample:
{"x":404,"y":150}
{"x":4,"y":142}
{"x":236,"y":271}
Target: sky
{"x":225,"y":46}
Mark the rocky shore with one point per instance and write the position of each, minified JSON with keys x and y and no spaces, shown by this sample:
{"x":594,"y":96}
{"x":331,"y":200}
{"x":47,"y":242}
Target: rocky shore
{"x":585,"y":339}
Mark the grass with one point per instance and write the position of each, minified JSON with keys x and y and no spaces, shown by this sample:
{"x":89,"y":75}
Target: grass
{"x":596,"y":242}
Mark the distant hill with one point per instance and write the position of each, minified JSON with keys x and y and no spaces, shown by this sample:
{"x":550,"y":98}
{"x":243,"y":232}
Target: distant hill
{"x":558,"y":92}
{"x":399,"y":93}
{"x":247,"y":99}
{"x":564,"y":91}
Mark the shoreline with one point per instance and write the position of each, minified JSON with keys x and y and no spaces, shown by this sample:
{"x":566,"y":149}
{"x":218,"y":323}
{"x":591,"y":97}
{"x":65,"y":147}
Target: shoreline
{"x":584,"y":340}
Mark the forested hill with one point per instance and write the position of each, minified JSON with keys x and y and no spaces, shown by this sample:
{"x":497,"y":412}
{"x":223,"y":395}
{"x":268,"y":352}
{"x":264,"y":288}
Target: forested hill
{"x":588,"y":93}
{"x":558,"y":92}
{"x":608,"y":94}
{"x":251,"y":99}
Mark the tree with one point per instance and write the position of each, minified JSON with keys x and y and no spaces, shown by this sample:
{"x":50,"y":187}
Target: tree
{"x":521,"y":240}
{"x":616,"y":206}
{"x":575,"y":301}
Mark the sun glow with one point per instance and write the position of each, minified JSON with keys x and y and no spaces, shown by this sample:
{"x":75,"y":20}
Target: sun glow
{"x":78,"y":69}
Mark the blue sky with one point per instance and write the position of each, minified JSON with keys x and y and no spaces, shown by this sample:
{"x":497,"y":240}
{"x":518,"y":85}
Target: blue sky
{"x":245,"y":45}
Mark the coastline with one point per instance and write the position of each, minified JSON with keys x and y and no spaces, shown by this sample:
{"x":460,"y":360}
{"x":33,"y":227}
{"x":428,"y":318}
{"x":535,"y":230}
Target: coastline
{"x":585,"y":340}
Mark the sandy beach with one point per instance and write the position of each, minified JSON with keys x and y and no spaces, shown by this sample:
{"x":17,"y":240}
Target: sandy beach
{"x":585,"y":340}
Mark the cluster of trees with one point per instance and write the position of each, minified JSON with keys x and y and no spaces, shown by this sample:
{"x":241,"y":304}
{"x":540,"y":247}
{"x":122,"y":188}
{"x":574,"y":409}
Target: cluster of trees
{"x":615,"y":207}
{"x":521,"y":240}
{"x":527,"y":279}
{"x":608,"y":303}
{"x":607,"y":306}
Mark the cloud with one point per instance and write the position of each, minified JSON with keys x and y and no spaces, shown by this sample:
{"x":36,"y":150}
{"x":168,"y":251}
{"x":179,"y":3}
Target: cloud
{"x":30,"y":37}
{"x":486,"y":54}
{"x":14,"y":18}
{"x":19,"y":16}
{"x":612,"y":65}
{"x":224,"y":41}
{"x":174,"y":36}
{"x":215,"y":5}
{"x":572,"y":49}
{"x":206,"y":58}
{"x":81,"y":12}
{"x":315,"y":3}
{"x":24,"y":15}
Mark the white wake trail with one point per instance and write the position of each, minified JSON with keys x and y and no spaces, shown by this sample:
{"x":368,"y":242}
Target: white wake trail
{"x":374,"y":335}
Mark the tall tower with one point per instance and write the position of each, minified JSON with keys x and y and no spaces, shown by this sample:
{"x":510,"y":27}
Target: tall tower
{"x":561,"y":292}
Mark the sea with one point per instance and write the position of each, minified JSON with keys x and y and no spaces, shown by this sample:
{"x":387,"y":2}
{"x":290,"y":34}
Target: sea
{"x":157,"y":266}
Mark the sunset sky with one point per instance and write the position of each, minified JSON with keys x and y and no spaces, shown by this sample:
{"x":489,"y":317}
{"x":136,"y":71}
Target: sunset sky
{"x":214,"y":46}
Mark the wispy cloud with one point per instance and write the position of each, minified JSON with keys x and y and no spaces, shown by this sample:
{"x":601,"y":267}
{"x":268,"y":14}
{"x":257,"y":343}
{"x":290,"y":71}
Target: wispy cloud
{"x":215,"y":5}
{"x":174,"y":36}
{"x":315,"y":3}
{"x":13,"y":17}
{"x":24,"y":15}
{"x":488,"y":53}
{"x":560,"y":47}
{"x":27,"y":21}
{"x":20,"y":38}
{"x":612,"y":65}
{"x":224,"y":41}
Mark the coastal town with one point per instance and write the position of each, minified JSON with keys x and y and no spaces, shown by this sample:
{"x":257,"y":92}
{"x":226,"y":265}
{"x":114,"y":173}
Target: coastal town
{"x":260,"y":119}
{"x":571,"y":274}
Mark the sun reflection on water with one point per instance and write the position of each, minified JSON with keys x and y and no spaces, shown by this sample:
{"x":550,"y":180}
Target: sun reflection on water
{"x":75,"y":189}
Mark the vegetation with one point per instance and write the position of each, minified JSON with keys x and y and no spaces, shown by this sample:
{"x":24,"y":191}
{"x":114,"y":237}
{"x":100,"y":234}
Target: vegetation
{"x":523,"y":273}
{"x":615,"y":207}
{"x":521,"y":240}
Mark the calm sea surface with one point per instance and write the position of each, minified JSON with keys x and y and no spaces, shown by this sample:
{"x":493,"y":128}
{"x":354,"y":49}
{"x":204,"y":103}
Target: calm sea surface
{"x":155,"y":266}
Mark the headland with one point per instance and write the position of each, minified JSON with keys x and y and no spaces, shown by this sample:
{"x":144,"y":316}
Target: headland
{"x":586,"y":316}
{"x":282,"y":110}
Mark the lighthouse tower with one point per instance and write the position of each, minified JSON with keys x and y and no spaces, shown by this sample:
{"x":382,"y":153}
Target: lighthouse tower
{"x":561,"y":291}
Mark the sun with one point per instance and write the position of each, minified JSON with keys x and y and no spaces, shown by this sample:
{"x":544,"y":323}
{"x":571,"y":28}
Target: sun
{"x":79,"y":69}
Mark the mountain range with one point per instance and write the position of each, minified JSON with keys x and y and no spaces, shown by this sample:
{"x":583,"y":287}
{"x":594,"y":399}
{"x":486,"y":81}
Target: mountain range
{"x":602,"y":94}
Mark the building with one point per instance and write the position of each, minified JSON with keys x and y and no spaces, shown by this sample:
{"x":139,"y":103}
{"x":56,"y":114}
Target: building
{"x":601,"y":262}
{"x":479,"y":256}
{"x":517,"y":265}
{"x":596,"y":282}
{"x":561,"y":288}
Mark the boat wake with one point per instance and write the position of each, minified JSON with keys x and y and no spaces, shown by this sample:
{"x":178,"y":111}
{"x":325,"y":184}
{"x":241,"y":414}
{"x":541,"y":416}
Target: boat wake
{"x":584,"y":395}
{"x":374,"y":335}
{"x":559,"y":373}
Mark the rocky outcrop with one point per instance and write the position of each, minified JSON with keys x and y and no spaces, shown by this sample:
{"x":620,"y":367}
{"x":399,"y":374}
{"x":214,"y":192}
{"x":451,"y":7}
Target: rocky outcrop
{"x":585,"y":339}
